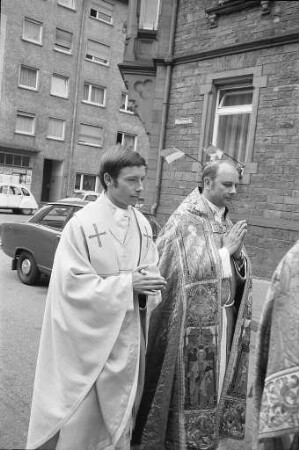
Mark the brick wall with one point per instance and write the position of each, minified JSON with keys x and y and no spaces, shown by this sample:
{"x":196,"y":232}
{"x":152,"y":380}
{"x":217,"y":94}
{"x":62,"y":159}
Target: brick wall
{"x":271,"y":200}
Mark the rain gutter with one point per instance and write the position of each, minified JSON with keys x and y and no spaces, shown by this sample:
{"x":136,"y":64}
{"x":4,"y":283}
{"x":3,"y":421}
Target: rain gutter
{"x":168,"y":62}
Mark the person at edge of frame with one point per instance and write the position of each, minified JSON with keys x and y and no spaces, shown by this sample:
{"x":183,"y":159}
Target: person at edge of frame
{"x":276,"y":380}
{"x":90,"y":366}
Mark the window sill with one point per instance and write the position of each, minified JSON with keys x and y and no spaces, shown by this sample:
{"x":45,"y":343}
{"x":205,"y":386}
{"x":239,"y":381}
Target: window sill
{"x":59,"y":96}
{"x":50,"y":138}
{"x":65,"y":52}
{"x":67,"y":7}
{"x":144,"y":33}
{"x":24,"y":134}
{"x":97,"y":105}
{"x":27,"y":88}
{"x":97,"y":62}
{"x":87,"y":144}
{"x":102,"y":21}
{"x":32,"y":42}
{"x":127,"y":112}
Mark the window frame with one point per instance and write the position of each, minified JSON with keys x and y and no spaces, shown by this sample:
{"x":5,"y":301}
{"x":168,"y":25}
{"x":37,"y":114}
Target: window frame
{"x":97,"y":86}
{"x":90,"y":144}
{"x":143,"y":14}
{"x":209,"y":91}
{"x":29,"y":115}
{"x":23,"y":158}
{"x":127,"y":100}
{"x":221,"y":111}
{"x":94,"y":7}
{"x":57,"y":75}
{"x":124,"y":133}
{"x":92,"y":58}
{"x":56,"y":138}
{"x":82,"y":175}
{"x":62,"y":49}
{"x":72,"y":8}
{"x":37,"y":22}
{"x":24,"y":86}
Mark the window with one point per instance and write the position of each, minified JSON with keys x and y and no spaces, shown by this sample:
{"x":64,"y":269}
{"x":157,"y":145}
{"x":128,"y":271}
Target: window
{"x":25,"y":192}
{"x":56,"y":217}
{"x":97,"y":52}
{"x":91,"y":135}
{"x":85,"y":182}
{"x":60,"y":86}
{"x":28,"y":78}
{"x":56,"y":129}
{"x":126,"y":104}
{"x":67,"y":3}
{"x":229,"y":115}
{"x":14,"y":160}
{"x":232,"y":120}
{"x":25,"y":123}
{"x":149,"y":14}
{"x":102,"y":10}
{"x":63,"y":40}
{"x":128,"y":140}
{"x":94,"y":94}
{"x":32,"y":30}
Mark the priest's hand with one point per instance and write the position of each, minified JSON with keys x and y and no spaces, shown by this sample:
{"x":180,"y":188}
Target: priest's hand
{"x":147,"y":281}
{"x":233,"y":240}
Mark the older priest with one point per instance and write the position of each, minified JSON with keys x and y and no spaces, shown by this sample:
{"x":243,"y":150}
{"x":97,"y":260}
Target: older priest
{"x":90,"y":366}
{"x":198,"y":351}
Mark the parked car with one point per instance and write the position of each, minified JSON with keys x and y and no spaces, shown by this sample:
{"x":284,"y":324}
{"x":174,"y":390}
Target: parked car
{"x":32,"y":244}
{"x":18,"y":198}
{"x":89,"y":196}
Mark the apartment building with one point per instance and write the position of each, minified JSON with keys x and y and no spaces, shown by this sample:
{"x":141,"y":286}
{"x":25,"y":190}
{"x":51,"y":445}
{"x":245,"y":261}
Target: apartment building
{"x":63,"y":101}
{"x":222,"y":72}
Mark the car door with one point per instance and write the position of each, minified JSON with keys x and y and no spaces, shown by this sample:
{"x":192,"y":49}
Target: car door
{"x":3,"y":195}
{"x":14,"y":197}
{"x":49,"y":231}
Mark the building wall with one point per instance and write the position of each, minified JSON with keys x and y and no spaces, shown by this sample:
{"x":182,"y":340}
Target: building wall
{"x":217,"y":44}
{"x":270,"y":201}
{"x":15,"y":51}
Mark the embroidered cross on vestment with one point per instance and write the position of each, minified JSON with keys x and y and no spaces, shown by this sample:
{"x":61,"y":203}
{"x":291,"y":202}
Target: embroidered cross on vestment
{"x":147,"y":236}
{"x":97,"y":234}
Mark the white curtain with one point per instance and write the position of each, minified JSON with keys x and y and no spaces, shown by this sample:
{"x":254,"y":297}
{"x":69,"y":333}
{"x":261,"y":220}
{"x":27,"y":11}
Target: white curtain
{"x":28,"y":77}
{"x":90,"y":134}
{"x":25,"y":123}
{"x":32,"y":30}
{"x":56,"y":128}
{"x":59,"y":85}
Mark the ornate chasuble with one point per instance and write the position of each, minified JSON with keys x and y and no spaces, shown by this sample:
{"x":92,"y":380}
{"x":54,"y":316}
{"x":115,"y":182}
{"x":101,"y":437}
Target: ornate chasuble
{"x":277,"y":362}
{"x":182,"y":406}
{"x":91,"y":337}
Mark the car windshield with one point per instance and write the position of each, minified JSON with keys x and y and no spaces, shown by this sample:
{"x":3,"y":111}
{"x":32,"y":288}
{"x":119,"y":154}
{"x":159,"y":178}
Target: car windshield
{"x":79,"y":194}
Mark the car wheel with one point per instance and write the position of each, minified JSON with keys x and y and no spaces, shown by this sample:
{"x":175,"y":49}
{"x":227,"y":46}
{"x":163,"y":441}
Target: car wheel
{"x":27,"y":268}
{"x":26,"y":211}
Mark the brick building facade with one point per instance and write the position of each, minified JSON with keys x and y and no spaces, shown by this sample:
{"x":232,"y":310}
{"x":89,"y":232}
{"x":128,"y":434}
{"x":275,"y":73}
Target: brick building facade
{"x":63,"y":101}
{"x":222,"y":72}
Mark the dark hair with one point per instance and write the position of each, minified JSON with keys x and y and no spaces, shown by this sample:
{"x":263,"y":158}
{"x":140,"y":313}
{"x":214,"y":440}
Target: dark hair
{"x":115,"y":159}
{"x":211,"y":169}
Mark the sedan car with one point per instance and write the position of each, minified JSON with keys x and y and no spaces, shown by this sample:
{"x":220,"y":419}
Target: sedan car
{"x":32,"y":244}
{"x":18,"y":198}
{"x":89,"y":196}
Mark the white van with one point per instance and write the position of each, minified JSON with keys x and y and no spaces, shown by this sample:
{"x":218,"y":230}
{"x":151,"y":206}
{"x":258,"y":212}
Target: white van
{"x":18,"y":198}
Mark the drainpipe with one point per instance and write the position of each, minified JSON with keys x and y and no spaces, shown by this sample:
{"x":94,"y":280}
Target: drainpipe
{"x":75,"y":110}
{"x":168,"y":61}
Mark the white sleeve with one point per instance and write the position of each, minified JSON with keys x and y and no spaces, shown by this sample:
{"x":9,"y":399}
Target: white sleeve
{"x":225,"y":260}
